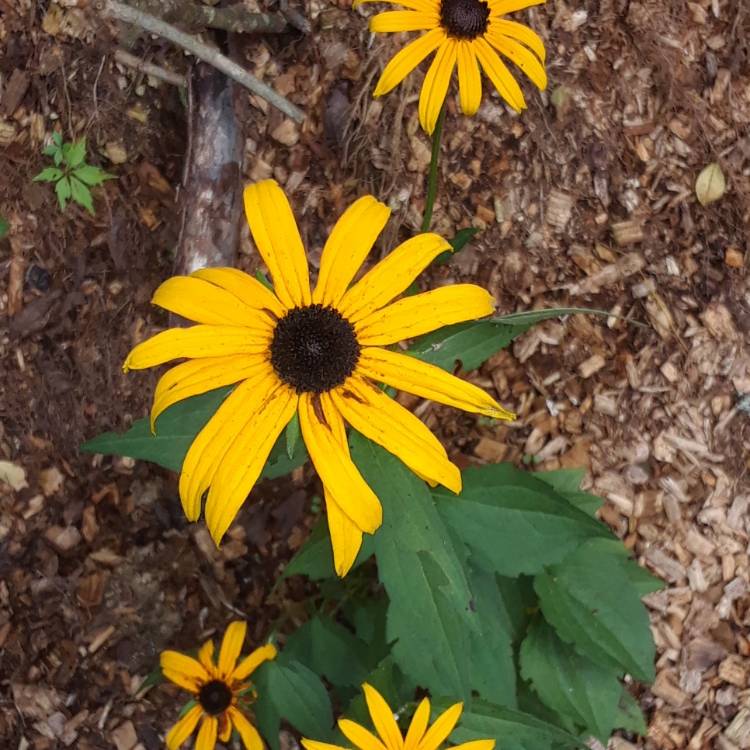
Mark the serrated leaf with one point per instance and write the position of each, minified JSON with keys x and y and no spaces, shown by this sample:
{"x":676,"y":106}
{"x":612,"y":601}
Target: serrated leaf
{"x":567,"y":482}
{"x":74,"y":153}
{"x":289,"y":690}
{"x":50,"y":174}
{"x":590,"y":601}
{"x":629,"y":715}
{"x":569,"y":683}
{"x":423,"y":575}
{"x":291,"y":435}
{"x":315,"y":558}
{"x":514,"y":523}
{"x":81,"y":195}
{"x":471,"y":344}
{"x":643,"y":581}
{"x":330,"y":650}
{"x":493,"y":673}
{"x":511,"y":729}
{"x":176,"y":429}
{"x":63,"y":191}
{"x":710,"y":185}
{"x":91,"y":175}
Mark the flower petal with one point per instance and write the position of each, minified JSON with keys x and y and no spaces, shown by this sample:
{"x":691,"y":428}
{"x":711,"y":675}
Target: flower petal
{"x":522,"y":56}
{"x":346,"y":536}
{"x":189,"y":673}
{"x":428,"y":381}
{"x":247,"y":289}
{"x":194,"y":342}
{"x":443,"y":726}
{"x":278,"y":240}
{"x":421,"y":313}
{"x":198,"y":300}
{"x":198,"y":376}
{"x":475,"y":745}
{"x":212,"y":442}
{"x":231,"y":645}
{"x":403,"y":20}
{"x":243,"y":461}
{"x":359,"y":736}
{"x":206,"y":739}
{"x":469,"y":79}
{"x":497,"y":71}
{"x":418,"y":725}
{"x":436,"y":83}
{"x":501,"y":7}
{"x":391,"y":276}
{"x":251,"y":662}
{"x":322,"y":427}
{"x":350,"y":241}
{"x":406,"y":59}
{"x":183,"y":728}
{"x":522,"y":33}
{"x":225,"y":727}
{"x":379,"y":418}
{"x":206,"y":657}
{"x":249,"y":734}
{"x":382,"y":718}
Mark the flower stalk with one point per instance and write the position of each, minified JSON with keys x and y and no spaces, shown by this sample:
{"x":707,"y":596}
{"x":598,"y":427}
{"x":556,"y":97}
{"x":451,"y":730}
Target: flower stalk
{"x":432,"y":176}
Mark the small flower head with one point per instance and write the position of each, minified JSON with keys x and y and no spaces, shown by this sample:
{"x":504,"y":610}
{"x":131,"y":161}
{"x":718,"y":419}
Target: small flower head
{"x":419,"y":735}
{"x":466,"y":34}
{"x":218,"y":687}
{"x":318,"y":351}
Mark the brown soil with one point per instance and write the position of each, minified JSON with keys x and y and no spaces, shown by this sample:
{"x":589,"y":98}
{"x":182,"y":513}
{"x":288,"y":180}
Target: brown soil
{"x":586,"y":199}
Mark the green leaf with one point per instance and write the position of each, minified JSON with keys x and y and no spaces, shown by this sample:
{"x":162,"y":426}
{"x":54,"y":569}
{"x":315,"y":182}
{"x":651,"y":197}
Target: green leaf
{"x":567,"y":482}
{"x":529,"y":318}
{"x":176,"y":429}
{"x":92,"y":176}
{"x":459,"y":241}
{"x":289,"y":690}
{"x":4,"y":227}
{"x":81,"y":195}
{"x":74,"y":153}
{"x":591,"y":602}
{"x":330,"y":650}
{"x":315,"y":558}
{"x":569,"y":683}
{"x":514,"y":523}
{"x":629,"y":715}
{"x":493,"y":673}
{"x":57,"y":139}
{"x":471,"y":344}
{"x":430,"y":599}
{"x":643,"y":581}
{"x":291,"y":435}
{"x":50,"y":174}
{"x":63,"y":190}
{"x":511,"y":729}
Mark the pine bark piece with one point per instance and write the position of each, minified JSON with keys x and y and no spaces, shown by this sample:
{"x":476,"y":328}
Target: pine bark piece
{"x":211,"y":184}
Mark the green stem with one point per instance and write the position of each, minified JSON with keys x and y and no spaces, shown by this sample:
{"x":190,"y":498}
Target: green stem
{"x":432,"y":177}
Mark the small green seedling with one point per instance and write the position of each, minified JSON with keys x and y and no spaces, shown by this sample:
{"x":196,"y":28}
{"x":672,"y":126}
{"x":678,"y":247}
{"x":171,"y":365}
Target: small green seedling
{"x":71,"y":175}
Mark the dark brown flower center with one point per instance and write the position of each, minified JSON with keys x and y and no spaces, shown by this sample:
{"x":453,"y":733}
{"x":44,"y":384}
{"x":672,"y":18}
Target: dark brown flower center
{"x":464,"y":19}
{"x":314,"y":349}
{"x":215,"y":697}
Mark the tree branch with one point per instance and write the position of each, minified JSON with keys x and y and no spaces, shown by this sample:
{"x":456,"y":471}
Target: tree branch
{"x":128,"y":14}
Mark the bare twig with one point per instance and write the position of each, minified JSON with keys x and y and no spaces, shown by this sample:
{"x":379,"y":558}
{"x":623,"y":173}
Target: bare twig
{"x":149,"y":68}
{"x":125,"y":13}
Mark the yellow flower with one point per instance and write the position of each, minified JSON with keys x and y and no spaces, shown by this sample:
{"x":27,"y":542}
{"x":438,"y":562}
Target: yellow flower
{"x":315,"y":352}
{"x":217,"y":687}
{"x":467,"y":34}
{"x":418,"y":736}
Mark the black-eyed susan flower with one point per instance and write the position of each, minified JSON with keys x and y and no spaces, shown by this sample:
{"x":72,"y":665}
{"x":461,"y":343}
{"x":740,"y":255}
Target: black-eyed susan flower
{"x":419,"y":736}
{"x":467,"y":34}
{"x":218,"y":687}
{"x":316,"y":352}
